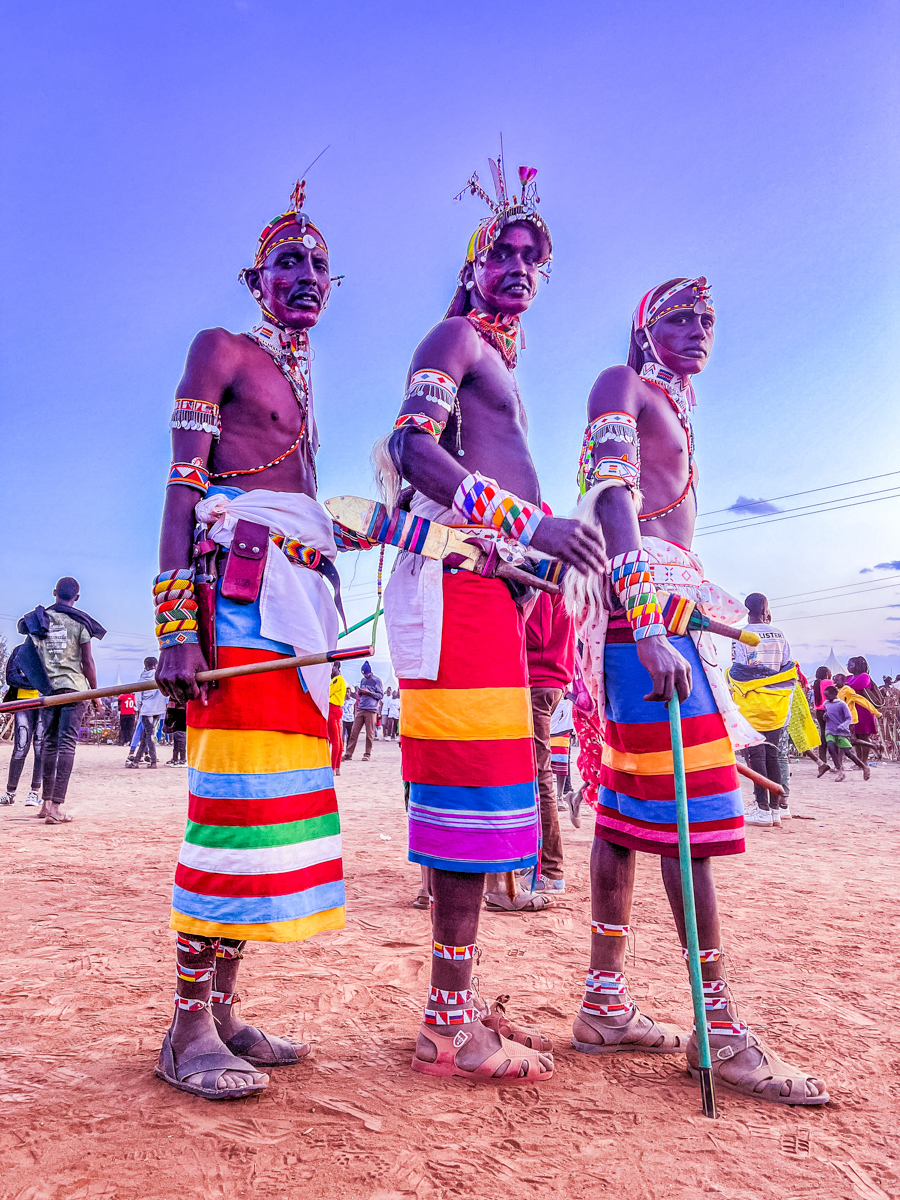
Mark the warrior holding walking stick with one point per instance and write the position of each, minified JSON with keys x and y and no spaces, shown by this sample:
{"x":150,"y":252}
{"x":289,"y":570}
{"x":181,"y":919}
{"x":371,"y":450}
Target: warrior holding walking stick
{"x":246,"y":565}
{"x":638,"y":477}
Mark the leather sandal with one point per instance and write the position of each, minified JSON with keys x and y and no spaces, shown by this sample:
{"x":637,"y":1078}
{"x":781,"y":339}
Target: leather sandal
{"x":524,"y":902}
{"x":212,"y":1066}
{"x":285,"y":1053}
{"x":639,"y":1034}
{"x":764,"y":1079}
{"x":510,"y":1064}
{"x":495,"y":1018}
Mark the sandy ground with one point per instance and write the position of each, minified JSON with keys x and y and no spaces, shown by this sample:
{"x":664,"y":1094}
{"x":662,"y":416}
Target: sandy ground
{"x":88,"y":975}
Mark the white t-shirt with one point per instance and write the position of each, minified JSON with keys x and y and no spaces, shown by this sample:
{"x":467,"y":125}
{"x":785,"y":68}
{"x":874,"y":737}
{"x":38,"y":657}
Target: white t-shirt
{"x":391,"y":707}
{"x":773,"y":651}
{"x":561,"y":720}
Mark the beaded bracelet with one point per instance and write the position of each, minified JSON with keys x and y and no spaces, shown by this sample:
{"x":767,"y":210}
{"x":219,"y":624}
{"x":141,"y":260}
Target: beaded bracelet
{"x":176,"y":608}
{"x":482,"y":501}
{"x":633,"y":581}
{"x":421,"y":421}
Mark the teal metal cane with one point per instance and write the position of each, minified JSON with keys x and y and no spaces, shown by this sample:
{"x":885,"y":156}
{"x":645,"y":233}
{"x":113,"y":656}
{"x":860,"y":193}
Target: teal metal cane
{"x":707,"y":1090}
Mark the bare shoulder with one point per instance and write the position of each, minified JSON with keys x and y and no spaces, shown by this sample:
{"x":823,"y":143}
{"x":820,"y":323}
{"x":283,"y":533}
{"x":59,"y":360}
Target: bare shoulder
{"x":214,"y":360}
{"x":452,"y":346}
{"x":217,"y":344}
{"x":617,"y":388}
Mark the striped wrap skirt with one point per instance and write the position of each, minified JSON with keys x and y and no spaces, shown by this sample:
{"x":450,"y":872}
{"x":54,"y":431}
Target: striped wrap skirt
{"x":467,"y":738}
{"x":635,"y":782}
{"x":261,"y":857}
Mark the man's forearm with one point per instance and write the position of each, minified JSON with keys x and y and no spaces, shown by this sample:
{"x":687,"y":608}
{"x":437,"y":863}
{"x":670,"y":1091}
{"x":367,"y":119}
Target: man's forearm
{"x":617,"y":515}
{"x":428,"y":467}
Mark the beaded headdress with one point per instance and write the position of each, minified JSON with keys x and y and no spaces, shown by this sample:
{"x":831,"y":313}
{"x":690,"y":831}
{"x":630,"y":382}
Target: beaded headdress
{"x":646,"y":312}
{"x":505,"y":209}
{"x":284,"y":228}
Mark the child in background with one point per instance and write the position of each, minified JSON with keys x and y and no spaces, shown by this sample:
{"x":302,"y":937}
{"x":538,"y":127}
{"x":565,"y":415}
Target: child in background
{"x":838,"y":719}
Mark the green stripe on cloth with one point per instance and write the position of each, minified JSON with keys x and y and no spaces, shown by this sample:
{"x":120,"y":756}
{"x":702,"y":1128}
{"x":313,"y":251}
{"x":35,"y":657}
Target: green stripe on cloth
{"x":259,"y":836}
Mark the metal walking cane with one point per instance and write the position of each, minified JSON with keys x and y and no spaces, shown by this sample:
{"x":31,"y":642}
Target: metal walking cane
{"x":707,"y":1090}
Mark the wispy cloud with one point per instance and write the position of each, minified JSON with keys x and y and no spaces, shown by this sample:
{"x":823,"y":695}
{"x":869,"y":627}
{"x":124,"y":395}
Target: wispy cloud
{"x":885,"y":566}
{"x":745,"y":506}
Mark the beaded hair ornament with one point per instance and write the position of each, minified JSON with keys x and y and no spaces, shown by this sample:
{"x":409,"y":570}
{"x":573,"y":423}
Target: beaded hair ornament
{"x":505,"y":209}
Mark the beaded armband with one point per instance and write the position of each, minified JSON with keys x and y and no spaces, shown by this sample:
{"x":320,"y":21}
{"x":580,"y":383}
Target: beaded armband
{"x":610,"y":427}
{"x":192,"y":474}
{"x":633,"y":582}
{"x":176,"y":608}
{"x":481,"y":501}
{"x":435,"y":387}
{"x":421,"y":421}
{"x":202,"y":416}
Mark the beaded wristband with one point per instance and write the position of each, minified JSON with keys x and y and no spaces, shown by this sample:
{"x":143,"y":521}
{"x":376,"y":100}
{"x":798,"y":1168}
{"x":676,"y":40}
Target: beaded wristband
{"x":633,"y":582}
{"x":481,"y":501}
{"x":176,"y":608}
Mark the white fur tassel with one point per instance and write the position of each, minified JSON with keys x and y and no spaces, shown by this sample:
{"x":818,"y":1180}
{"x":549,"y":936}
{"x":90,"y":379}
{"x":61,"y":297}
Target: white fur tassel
{"x":387,"y":477}
{"x":586,"y":595}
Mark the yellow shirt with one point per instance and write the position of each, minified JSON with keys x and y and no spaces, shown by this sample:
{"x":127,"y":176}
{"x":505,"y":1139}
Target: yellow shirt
{"x":338,"y":690}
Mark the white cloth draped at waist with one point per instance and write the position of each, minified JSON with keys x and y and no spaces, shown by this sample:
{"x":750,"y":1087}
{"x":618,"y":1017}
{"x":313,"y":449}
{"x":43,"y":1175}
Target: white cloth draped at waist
{"x":295,"y":604}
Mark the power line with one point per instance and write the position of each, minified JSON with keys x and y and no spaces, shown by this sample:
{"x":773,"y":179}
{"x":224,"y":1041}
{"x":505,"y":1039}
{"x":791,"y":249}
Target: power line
{"x":818,"y":505}
{"x":793,"y":516}
{"x":792,"y":495}
{"x":814,"y":598}
{"x":811,"y":616}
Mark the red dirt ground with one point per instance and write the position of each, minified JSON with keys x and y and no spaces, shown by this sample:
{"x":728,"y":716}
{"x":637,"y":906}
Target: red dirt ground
{"x":808,"y":914}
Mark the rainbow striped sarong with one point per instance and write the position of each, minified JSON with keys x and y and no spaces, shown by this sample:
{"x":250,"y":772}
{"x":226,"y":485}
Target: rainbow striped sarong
{"x":559,"y":753}
{"x":467,"y":738}
{"x":636,"y":788}
{"x":261,"y":857}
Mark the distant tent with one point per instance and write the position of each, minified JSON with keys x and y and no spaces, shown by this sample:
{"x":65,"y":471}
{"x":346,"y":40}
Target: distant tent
{"x":834,"y":665}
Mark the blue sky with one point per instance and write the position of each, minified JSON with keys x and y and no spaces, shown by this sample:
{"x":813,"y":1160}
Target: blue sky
{"x":145,"y":147}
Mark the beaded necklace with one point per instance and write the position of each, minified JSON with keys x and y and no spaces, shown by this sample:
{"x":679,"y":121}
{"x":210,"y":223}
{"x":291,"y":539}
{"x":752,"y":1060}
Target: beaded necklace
{"x":680,"y":393}
{"x":500,"y":332}
{"x":289,"y":350}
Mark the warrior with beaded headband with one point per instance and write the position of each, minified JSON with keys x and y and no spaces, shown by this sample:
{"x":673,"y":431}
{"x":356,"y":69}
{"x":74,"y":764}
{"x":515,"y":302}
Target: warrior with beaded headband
{"x":245,"y":554}
{"x":638,"y":479}
{"x":457,"y":638}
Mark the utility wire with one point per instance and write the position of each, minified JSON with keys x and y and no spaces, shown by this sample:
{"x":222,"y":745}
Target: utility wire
{"x":814,"y":598}
{"x":792,"y":516}
{"x":818,"y":505}
{"x":792,"y":495}
{"x":843,"y":612}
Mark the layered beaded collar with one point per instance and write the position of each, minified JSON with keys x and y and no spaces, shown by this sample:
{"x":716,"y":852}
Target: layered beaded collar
{"x":500,"y":331}
{"x":681,"y":395}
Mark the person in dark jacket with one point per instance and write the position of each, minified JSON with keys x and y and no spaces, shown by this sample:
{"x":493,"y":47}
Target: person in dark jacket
{"x":27,"y":680}
{"x":371,"y":692}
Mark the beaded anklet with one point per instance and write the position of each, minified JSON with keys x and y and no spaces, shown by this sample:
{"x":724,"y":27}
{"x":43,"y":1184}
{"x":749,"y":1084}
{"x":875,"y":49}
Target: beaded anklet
{"x":456,"y":953}
{"x":610,"y":930}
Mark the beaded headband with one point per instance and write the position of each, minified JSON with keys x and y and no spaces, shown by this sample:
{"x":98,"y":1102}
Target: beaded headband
{"x":505,"y":210}
{"x":646,"y":313}
{"x":284,"y":228}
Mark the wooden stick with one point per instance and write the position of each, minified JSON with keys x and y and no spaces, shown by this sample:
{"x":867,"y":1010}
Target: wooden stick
{"x":707,"y":1087}
{"x":149,"y":685}
{"x":775,"y":788}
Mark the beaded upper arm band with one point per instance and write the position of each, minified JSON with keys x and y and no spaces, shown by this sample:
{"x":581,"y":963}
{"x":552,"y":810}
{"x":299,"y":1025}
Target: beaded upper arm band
{"x":202,"y":416}
{"x":610,"y":427}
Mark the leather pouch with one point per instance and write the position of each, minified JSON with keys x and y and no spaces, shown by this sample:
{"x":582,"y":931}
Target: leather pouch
{"x":246,"y":562}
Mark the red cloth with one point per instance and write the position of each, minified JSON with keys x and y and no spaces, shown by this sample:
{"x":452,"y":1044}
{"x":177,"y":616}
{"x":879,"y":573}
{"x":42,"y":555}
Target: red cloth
{"x":275,"y":700}
{"x":336,"y":734}
{"x":550,"y":643}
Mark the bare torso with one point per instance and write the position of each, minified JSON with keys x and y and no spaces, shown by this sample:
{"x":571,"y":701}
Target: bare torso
{"x":664,"y":450}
